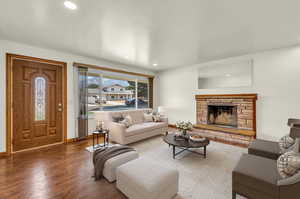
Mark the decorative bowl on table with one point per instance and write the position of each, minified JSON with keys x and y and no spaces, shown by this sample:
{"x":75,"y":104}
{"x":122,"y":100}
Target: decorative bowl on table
{"x":197,"y":138}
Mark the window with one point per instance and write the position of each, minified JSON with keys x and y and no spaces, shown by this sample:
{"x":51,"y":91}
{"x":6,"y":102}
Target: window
{"x":40,"y":98}
{"x":116,"y":91}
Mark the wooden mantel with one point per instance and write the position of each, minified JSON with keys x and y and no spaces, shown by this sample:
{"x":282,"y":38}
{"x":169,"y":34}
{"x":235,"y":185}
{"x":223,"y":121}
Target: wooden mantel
{"x":228,"y":96}
{"x":246,"y":104}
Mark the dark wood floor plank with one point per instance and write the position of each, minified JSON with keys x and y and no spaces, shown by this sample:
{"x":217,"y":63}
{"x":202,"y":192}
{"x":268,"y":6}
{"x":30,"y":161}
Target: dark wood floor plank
{"x":56,"y":172}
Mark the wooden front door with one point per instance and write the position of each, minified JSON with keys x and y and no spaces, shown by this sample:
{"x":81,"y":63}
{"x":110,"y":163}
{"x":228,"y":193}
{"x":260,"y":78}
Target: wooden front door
{"x":37,"y":98}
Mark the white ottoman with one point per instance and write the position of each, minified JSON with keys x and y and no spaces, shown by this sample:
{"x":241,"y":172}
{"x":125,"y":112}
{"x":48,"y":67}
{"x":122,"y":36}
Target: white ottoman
{"x":110,"y":166}
{"x":145,"y":179}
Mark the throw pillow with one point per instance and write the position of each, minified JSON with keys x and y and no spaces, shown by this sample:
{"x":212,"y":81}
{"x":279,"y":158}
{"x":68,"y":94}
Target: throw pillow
{"x":156,"y":118}
{"x":285,"y":143}
{"x":148,"y":117}
{"x":288,"y":164}
{"x":127,"y":121}
{"x":117,"y":118}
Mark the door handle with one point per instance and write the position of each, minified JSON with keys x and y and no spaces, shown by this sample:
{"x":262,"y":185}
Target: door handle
{"x":60,"y":109}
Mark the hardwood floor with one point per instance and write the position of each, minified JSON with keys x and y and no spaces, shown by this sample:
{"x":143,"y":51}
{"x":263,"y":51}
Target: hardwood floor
{"x":62,"y":171}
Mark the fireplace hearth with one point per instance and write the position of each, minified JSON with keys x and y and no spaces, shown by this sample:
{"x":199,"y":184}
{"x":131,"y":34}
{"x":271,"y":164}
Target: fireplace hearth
{"x":222,"y":115}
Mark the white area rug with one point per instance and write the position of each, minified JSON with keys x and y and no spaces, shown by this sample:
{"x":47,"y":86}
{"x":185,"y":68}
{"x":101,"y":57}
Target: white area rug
{"x":199,"y":178}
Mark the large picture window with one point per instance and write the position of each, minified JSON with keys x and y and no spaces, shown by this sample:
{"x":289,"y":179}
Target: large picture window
{"x":110,"y":91}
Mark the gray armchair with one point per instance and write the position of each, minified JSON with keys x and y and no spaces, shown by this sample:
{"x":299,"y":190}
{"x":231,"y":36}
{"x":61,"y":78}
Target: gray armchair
{"x":269,"y":149}
{"x":257,"y":177}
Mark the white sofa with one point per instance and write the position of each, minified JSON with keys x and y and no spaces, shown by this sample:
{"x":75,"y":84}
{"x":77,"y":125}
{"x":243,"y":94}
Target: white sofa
{"x":138,"y":131}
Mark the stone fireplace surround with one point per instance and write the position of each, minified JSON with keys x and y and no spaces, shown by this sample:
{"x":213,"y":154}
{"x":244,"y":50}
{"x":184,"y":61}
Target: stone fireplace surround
{"x":245,"y":130}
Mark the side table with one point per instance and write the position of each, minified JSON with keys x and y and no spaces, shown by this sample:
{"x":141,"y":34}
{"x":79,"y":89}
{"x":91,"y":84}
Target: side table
{"x":98,"y":134}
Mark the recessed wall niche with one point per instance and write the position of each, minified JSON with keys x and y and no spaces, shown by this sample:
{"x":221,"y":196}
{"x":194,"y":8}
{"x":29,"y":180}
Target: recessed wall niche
{"x":226,"y":75}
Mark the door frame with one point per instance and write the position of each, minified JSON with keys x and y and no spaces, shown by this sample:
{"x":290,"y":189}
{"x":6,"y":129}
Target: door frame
{"x":9,"y":97}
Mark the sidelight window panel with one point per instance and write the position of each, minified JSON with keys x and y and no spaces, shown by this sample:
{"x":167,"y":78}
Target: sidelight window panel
{"x":143,"y":93}
{"x":40,"y":98}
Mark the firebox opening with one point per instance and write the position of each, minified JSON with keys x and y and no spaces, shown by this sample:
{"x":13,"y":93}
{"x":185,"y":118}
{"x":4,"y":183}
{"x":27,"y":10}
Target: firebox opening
{"x":223,"y":115}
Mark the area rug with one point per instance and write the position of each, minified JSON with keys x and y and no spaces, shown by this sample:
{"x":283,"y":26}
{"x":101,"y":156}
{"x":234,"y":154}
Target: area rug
{"x":208,"y":178}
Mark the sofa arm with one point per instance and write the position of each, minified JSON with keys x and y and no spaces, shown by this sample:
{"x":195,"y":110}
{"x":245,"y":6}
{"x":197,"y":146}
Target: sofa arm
{"x":116,"y":132}
{"x":164,"y":119}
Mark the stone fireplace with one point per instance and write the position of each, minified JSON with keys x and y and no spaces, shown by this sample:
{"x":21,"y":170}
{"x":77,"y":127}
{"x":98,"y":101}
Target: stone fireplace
{"x":227,"y":117}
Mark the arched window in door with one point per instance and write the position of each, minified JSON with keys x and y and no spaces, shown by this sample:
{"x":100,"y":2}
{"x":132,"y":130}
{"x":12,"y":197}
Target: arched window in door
{"x":40,"y":98}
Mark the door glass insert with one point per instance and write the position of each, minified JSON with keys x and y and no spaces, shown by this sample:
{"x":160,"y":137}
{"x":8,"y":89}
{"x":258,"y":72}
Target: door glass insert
{"x":40,"y":98}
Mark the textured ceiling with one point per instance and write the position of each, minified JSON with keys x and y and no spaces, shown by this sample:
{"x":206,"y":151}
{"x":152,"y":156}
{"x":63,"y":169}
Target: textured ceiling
{"x":170,"y":33}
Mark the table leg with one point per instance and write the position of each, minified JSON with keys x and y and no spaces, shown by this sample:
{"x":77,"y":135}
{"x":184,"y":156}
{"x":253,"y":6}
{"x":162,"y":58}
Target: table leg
{"x":93,"y":140}
{"x":97,"y":139}
{"x":107,"y":141}
{"x":173,"y":152}
{"x":204,"y":151}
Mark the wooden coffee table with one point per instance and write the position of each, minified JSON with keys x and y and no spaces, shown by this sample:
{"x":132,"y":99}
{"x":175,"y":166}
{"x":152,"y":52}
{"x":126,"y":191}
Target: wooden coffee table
{"x":185,"y":145}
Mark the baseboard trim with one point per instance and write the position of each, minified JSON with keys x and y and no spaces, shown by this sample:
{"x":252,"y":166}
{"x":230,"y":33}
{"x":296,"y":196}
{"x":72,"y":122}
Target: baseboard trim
{"x":3,"y":154}
{"x":172,"y":125}
{"x":72,"y":140}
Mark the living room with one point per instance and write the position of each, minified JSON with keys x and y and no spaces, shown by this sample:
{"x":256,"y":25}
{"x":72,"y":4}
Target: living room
{"x":149,"y":99}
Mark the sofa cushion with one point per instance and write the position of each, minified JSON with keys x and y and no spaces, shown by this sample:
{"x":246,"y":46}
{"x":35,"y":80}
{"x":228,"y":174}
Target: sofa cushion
{"x":143,"y":128}
{"x":148,"y":117}
{"x":256,"y":173}
{"x":264,"y":148}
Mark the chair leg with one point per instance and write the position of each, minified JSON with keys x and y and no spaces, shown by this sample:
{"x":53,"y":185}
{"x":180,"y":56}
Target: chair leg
{"x":233,"y":195}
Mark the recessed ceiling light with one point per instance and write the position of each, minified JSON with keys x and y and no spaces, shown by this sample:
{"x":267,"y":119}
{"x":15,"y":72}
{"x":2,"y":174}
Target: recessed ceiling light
{"x":70,"y":5}
{"x":154,"y":64}
{"x":228,"y":75}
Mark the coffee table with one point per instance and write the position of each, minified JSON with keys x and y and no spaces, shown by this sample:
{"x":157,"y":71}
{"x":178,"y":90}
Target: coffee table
{"x":185,"y":145}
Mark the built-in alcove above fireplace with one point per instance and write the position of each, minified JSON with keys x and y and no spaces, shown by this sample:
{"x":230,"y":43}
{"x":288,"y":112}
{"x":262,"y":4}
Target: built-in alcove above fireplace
{"x":233,"y":114}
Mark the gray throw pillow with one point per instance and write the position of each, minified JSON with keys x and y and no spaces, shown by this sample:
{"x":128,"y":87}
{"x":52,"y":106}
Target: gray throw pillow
{"x":127,"y":121}
{"x":288,"y":164}
{"x":117,"y":118}
{"x":285,"y":143}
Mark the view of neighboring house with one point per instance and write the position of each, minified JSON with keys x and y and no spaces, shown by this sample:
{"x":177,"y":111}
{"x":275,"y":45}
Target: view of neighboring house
{"x":113,"y":92}
{"x":117,"y":92}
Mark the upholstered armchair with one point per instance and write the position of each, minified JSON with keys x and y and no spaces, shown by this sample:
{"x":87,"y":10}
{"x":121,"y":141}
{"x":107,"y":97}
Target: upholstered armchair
{"x":257,"y":177}
{"x":271,"y":149}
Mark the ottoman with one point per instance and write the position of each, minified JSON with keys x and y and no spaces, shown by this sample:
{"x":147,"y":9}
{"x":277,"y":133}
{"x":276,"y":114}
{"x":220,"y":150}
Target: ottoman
{"x":110,"y":166}
{"x":144,"y":179}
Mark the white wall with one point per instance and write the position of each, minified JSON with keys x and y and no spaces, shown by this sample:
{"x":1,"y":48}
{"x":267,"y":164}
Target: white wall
{"x":23,"y":49}
{"x":276,"y":80}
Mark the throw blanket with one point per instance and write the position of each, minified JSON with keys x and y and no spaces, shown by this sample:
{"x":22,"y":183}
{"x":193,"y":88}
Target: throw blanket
{"x":101,"y":155}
